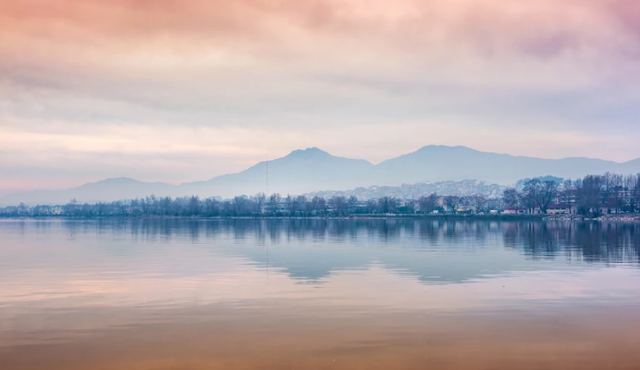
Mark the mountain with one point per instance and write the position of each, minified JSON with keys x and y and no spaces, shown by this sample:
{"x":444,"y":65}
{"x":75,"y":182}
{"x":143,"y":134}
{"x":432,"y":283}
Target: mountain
{"x":299,"y":172}
{"x":630,"y":166}
{"x":446,"y":163}
{"x":312,"y":170}
{"x":415,"y":191}
{"x":101,"y":191}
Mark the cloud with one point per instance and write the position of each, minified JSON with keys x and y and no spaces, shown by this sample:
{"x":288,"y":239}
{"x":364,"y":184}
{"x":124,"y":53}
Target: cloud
{"x":140,"y":77}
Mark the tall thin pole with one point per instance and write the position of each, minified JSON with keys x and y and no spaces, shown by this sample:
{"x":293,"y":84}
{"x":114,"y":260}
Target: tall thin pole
{"x":266,"y":179}
{"x":266,"y":186}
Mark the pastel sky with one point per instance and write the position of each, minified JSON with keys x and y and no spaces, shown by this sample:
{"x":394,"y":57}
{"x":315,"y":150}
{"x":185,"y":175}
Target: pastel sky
{"x":177,"y":90}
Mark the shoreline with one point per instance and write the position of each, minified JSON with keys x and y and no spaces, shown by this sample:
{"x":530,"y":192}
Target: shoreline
{"x":628,"y":218}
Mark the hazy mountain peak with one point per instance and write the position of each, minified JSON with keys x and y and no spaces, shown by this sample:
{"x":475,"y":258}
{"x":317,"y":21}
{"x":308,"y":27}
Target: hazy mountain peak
{"x":443,"y":149}
{"x":632,"y":162}
{"x":317,"y":155}
{"x":115,"y":180}
{"x":308,"y":153}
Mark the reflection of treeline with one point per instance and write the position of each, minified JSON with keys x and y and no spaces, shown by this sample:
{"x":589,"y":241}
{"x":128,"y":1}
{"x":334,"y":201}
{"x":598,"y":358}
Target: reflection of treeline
{"x":264,"y":229}
{"x":588,"y":241}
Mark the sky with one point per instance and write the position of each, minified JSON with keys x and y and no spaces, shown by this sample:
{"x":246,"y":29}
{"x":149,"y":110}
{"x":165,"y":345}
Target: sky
{"x":182,"y":90}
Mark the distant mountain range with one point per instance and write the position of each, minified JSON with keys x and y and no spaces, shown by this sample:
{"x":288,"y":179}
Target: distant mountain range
{"x":415,"y":191}
{"x":312,"y":169}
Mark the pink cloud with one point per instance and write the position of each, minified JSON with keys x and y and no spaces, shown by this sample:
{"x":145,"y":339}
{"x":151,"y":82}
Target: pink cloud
{"x":292,"y":66}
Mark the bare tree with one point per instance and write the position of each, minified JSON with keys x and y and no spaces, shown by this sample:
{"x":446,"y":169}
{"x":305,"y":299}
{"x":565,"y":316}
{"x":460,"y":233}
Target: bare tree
{"x":540,"y":193}
{"x":428,"y":204}
{"x":511,"y":198}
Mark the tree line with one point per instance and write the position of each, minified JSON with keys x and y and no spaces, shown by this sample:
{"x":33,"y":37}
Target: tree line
{"x":241,"y":206}
{"x":593,"y":195}
{"x":590,"y":196}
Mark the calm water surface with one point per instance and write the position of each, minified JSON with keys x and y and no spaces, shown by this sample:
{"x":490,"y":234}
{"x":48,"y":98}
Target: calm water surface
{"x":317,"y":294}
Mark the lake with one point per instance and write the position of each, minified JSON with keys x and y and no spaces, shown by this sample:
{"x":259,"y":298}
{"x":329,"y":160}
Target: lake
{"x":318,"y":294}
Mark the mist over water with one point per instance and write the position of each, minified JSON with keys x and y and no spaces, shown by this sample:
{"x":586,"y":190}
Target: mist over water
{"x":315,"y":293}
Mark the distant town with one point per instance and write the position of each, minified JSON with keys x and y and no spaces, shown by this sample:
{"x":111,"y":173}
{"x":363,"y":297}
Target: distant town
{"x":590,"y":197}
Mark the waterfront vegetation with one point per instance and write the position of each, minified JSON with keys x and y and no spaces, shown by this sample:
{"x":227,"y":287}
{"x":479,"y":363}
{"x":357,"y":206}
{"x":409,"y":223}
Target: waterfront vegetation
{"x":591,"y":196}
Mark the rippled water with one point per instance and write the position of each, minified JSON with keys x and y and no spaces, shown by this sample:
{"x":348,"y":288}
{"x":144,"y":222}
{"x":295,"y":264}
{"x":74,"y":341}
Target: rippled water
{"x":318,"y":294}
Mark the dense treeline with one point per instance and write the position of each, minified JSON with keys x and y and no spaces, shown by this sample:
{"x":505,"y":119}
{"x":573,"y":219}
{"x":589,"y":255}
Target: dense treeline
{"x":275,"y":205}
{"x":590,"y":196}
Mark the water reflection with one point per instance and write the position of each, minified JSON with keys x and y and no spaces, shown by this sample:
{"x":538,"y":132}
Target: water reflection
{"x":431,"y":250}
{"x":608,"y":242}
{"x":590,"y":241}
{"x":316,"y":293}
